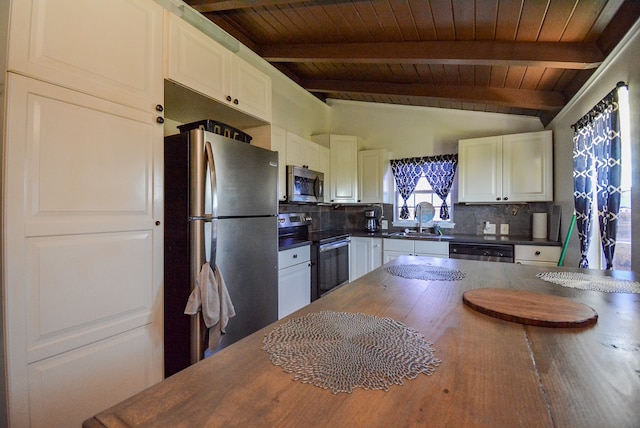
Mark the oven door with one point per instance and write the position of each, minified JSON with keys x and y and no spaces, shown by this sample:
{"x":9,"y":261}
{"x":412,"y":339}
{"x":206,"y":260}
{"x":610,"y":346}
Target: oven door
{"x":333,"y":266}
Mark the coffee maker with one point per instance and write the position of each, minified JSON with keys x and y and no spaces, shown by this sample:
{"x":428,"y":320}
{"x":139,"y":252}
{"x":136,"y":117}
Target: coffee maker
{"x":371,"y":217}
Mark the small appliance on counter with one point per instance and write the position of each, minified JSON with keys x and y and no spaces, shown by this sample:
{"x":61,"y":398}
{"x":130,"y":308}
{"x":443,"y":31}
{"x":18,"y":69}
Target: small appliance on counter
{"x":372,"y":221}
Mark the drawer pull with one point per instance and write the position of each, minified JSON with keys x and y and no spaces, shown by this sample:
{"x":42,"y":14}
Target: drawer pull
{"x":537,"y":253}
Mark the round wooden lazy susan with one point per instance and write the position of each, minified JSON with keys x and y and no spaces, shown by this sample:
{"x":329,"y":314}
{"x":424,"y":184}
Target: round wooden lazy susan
{"x":530,"y":308}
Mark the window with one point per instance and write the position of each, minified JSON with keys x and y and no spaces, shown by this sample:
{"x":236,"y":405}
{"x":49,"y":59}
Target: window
{"x":423,"y":179}
{"x":422,"y":193}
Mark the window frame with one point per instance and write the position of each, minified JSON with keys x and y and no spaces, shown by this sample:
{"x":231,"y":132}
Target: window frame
{"x":411,"y":204}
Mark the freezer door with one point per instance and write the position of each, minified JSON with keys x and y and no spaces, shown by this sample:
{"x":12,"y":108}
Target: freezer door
{"x":246,"y":178}
{"x":247,"y":257}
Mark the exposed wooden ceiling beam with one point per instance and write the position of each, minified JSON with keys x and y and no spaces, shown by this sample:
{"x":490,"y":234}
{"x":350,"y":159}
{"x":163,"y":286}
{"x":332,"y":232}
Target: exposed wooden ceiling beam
{"x":522,"y":98}
{"x":224,"y":5}
{"x":578,"y":56}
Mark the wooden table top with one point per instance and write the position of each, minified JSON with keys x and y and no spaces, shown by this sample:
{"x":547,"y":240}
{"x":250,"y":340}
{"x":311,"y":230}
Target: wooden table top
{"x":494,"y":373}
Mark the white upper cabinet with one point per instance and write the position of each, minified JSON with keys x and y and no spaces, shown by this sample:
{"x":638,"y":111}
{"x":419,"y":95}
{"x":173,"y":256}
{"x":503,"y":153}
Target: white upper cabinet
{"x":292,"y":150}
{"x":344,"y":166}
{"x":250,"y":89}
{"x":527,"y":165}
{"x":197,"y":62}
{"x":480,"y":170}
{"x":509,"y":168}
{"x":302,"y":152}
{"x":75,"y":44}
{"x":373,"y":168}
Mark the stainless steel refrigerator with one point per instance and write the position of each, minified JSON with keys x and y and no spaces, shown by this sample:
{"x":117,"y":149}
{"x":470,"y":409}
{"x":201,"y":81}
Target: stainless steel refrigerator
{"x":221,"y":207}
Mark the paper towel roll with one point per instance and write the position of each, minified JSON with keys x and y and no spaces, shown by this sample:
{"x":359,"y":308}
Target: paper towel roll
{"x":540,"y":225}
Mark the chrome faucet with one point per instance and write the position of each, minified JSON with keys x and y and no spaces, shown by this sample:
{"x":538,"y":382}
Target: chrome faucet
{"x":419,"y":217}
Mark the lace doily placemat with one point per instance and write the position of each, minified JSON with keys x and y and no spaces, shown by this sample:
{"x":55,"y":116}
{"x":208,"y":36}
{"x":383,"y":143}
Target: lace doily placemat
{"x":584,"y":281}
{"x":426,"y":272}
{"x":341,"y":351}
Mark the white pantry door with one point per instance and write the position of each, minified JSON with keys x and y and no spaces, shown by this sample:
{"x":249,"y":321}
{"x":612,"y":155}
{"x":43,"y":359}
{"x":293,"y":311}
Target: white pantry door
{"x":83,"y":253}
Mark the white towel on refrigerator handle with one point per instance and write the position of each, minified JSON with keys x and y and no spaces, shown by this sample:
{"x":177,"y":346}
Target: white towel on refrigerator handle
{"x":210,"y":295}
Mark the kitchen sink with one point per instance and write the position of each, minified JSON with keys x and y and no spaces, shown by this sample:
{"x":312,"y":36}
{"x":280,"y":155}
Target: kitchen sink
{"x":420,"y":235}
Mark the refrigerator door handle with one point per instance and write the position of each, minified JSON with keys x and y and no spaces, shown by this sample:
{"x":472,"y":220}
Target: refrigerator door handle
{"x":214,"y":203}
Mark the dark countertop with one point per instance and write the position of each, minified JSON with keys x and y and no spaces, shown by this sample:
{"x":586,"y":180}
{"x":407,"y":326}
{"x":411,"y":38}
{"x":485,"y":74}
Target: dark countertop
{"x":288,"y":243}
{"x":514,"y":240}
{"x":318,"y":236}
{"x":322,"y":236}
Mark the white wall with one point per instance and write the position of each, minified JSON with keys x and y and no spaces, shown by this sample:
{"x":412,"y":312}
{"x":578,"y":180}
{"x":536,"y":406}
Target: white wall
{"x":408,"y":131}
{"x":4,"y":32}
{"x":622,"y":65}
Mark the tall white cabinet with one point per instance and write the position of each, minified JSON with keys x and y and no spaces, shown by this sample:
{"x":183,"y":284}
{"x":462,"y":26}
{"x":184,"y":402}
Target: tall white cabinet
{"x":343,"y":183}
{"x":508,"y":168}
{"x":83,"y":207}
{"x":373,"y":176}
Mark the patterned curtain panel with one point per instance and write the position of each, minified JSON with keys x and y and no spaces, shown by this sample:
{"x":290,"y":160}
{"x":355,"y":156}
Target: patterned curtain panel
{"x":597,"y":149}
{"x":406,"y":172}
{"x":609,"y":175}
{"x":583,"y":173}
{"x":440,"y":171}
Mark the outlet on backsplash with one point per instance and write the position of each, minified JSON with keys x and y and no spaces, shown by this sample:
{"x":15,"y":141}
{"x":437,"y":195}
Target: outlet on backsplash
{"x":504,"y":229}
{"x":489,"y":228}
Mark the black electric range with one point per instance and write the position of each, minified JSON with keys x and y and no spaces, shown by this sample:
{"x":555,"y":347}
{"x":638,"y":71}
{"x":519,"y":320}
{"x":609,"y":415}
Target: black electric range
{"x":326,"y":236}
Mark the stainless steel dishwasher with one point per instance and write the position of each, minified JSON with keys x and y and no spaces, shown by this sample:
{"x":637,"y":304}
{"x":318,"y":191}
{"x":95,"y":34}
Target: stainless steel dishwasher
{"x":481,"y":251}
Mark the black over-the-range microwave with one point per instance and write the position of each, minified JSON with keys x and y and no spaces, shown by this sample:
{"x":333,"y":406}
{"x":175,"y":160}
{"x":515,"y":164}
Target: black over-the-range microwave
{"x":304,"y":184}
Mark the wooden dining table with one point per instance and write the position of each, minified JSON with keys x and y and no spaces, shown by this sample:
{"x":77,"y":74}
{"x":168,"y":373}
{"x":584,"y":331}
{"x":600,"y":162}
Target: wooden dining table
{"x":493,"y":372}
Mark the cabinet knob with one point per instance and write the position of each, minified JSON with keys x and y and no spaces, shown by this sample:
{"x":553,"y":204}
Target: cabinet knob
{"x":537,"y":253}
{"x":235,"y":101}
{"x":160,"y":119}
{"x":497,"y":199}
{"x":228,"y":97}
{"x":295,"y":256}
{"x":159,"y":107}
{"x":506,"y":198}
{"x":158,"y":223}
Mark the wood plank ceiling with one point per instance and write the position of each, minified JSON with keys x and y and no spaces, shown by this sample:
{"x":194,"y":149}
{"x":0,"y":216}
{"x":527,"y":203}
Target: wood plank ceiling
{"x":523,"y":57}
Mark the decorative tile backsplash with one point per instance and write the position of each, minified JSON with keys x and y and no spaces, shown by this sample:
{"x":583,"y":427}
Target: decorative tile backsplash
{"x":468,"y":219}
{"x":338,"y":216}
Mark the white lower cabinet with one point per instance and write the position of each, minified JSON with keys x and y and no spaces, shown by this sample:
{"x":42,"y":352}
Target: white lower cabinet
{"x":431,"y":249}
{"x":394,"y":248}
{"x":365,"y":255}
{"x":294,"y":280}
{"x":542,"y":255}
